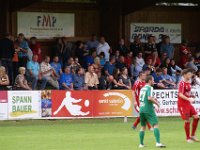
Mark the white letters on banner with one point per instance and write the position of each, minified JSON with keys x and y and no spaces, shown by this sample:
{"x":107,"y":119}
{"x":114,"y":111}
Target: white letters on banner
{"x":143,"y":30}
{"x":24,"y":104}
{"x":45,"y":25}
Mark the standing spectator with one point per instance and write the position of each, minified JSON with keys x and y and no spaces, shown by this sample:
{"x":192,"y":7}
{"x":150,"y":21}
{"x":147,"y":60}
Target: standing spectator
{"x":56,"y":66}
{"x":176,"y":71}
{"x":139,"y":62}
{"x":80,"y":52}
{"x":184,"y":54}
{"x":92,"y":43}
{"x":121,"y":63}
{"x":66,"y":80}
{"x":15,"y":60}
{"x":110,"y":66}
{"x":79,"y":83}
{"x":4,"y":80}
{"x":196,"y":80}
{"x":136,"y":47}
{"x":190,"y":64}
{"x":122,"y":47}
{"x":103,"y":47}
{"x":36,"y":48}
{"x":167,"y":47}
{"x":34,"y":74}
{"x":91,"y":79}
{"x":20,"y":81}
{"x":124,"y":79}
{"x":6,"y":54}
{"x":48,"y":72}
{"x":167,"y":79}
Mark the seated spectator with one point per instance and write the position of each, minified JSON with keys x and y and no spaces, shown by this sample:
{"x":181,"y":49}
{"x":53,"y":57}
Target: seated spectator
{"x":36,"y":48}
{"x":117,"y":55}
{"x":20,"y":81}
{"x":93,"y":42}
{"x":110,"y":66}
{"x":185,"y":53}
{"x":121,"y":63}
{"x":196,"y":80}
{"x":102,"y":81}
{"x":91,"y":79}
{"x":124,"y":79}
{"x":136,"y":47}
{"x":167,"y":80}
{"x":167,"y":65}
{"x":97,"y":65}
{"x":163,"y":57}
{"x":48,"y":72}
{"x":176,"y":71}
{"x":129,"y":60}
{"x":123,"y":50}
{"x":167,"y":47}
{"x":34,"y":74}
{"x":70,"y":62}
{"x":148,"y":64}
{"x":75,"y":65}
{"x":102,"y":59}
{"x":79,"y":83}
{"x":158,"y":79}
{"x":190,"y":64}
{"x":66,"y":80}
{"x":57,"y":67}
{"x":134,"y":73}
{"x":103,"y":47}
{"x":4,"y":80}
{"x":89,"y":59}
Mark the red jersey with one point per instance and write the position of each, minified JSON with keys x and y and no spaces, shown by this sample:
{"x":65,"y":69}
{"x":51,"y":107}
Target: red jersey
{"x":185,"y":88}
{"x":138,"y":85}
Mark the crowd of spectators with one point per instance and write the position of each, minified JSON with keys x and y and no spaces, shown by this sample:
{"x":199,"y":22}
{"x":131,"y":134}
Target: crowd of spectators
{"x":93,"y":64}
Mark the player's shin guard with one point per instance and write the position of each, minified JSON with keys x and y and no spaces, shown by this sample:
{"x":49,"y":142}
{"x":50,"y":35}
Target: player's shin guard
{"x":142,"y":137}
{"x":137,"y":121}
{"x":157,"y":135}
{"x":187,"y":130}
{"x":194,"y":126}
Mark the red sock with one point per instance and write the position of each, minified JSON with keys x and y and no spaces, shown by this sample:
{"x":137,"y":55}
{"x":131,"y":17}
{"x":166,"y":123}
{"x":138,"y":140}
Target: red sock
{"x":148,"y":125}
{"x":137,"y":121}
{"x":187,"y":130}
{"x":194,"y":126}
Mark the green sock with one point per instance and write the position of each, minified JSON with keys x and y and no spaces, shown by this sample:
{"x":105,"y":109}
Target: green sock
{"x":142,"y":137}
{"x":157,"y":135}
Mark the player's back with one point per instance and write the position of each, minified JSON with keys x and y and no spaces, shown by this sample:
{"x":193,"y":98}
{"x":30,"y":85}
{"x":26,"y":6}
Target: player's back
{"x":146,"y":106}
{"x":138,"y":85}
{"x":185,"y":89}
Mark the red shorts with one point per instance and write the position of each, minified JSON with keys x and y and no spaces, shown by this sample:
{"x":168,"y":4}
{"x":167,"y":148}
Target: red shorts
{"x":187,"y":111}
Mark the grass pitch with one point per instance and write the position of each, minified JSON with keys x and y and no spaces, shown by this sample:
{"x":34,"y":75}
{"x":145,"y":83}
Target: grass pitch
{"x":89,"y":134}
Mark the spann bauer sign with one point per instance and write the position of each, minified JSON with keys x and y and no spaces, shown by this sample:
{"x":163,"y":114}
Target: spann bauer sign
{"x":24,"y":104}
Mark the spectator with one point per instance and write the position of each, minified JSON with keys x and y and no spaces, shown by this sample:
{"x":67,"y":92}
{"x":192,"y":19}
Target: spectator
{"x":91,"y":79}
{"x":15,"y":60}
{"x":139,"y":62}
{"x":4,"y":80}
{"x":196,"y":80}
{"x":79,"y":83}
{"x":148,"y":64}
{"x":176,"y":71}
{"x":190,"y":64}
{"x":89,"y":59}
{"x":158,"y":79}
{"x":136,"y":47}
{"x":110,"y":66}
{"x":76,"y":64}
{"x":123,"y":50}
{"x":24,"y":53}
{"x":163,"y":57}
{"x":167,"y":79}
{"x":66,"y":80}
{"x":129,"y":60}
{"x":117,"y":55}
{"x":184,"y":54}
{"x":121,"y":63}
{"x":70,"y":63}
{"x":80,"y":52}
{"x":56,"y":66}
{"x":102,"y":81}
{"x":167,"y":47}
{"x":124,"y":79}
{"x":167,"y":65}
{"x":6,"y":54}
{"x":113,"y":80}
{"x":34,"y":74}
{"x":48,"y":72}
{"x":92,"y":43}
{"x":36,"y":48}
{"x":102,"y":59}
{"x":103,"y":47}
{"x":20,"y":81}
{"x":97,"y":65}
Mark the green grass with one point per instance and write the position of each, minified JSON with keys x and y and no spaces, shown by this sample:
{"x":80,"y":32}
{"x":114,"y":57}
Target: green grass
{"x":89,"y":134}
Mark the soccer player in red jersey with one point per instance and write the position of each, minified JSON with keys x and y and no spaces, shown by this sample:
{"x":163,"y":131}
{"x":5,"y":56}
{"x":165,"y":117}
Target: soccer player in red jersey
{"x":185,"y":107}
{"x":138,"y":85}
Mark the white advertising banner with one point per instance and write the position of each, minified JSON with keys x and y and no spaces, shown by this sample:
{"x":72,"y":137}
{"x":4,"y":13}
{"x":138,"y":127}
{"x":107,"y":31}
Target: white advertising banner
{"x":143,"y":30}
{"x":45,"y":25}
{"x":3,"y":105}
{"x":24,"y":104}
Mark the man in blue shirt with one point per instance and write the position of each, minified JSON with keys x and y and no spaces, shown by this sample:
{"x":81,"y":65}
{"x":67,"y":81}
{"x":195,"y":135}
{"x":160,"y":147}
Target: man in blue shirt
{"x":56,"y":66}
{"x":34,"y":74}
{"x":93,"y":43}
{"x":66,"y":79}
{"x":79,"y":82}
{"x":167,"y":79}
{"x":110,"y":66}
{"x":167,"y":47}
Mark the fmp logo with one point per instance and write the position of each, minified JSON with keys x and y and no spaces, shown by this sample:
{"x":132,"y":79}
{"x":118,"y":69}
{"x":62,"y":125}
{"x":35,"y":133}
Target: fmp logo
{"x":46,"y":21}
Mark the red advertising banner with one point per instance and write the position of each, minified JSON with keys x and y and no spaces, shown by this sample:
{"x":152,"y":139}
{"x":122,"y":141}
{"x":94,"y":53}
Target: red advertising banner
{"x":72,"y":103}
{"x":3,"y":105}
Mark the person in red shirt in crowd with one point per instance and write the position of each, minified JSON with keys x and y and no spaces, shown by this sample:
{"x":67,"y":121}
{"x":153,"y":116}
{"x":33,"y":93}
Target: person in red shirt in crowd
{"x":185,"y":53}
{"x":185,"y":100}
{"x":138,"y":85}
{"x":129,"y":59}
{"x":36,"y":48}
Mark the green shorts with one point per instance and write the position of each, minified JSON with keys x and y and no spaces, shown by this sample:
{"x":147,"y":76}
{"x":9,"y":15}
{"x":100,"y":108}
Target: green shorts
{"x":148,"y":117}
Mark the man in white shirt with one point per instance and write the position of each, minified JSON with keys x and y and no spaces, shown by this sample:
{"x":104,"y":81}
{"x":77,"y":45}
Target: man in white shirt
{"x":139,"y":62}
{"x":48,"y":72}
{"x":104,"y":47}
